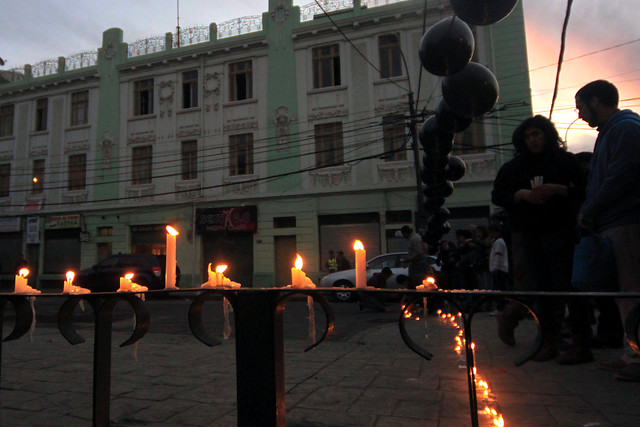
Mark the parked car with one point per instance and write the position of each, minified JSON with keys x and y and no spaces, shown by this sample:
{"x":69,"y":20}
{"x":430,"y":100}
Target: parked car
{"x":347,"y":278}
{"x":147,"y":269}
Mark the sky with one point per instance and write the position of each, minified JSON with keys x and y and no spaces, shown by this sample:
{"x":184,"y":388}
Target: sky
{"x":36,"y":30}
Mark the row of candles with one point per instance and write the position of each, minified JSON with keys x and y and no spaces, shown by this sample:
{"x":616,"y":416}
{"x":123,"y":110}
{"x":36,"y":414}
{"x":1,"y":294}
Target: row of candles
{"x":215,"y":278}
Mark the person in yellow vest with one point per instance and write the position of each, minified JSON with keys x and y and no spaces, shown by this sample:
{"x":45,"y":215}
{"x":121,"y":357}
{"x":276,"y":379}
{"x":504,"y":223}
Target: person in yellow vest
{"x":332,"y":262}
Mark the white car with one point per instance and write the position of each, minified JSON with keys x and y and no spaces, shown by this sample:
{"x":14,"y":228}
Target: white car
{"x":347,"y":278}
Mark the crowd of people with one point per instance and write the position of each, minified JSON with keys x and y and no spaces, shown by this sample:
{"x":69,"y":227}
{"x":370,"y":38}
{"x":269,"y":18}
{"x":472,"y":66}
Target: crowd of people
{"x":549,"y":198}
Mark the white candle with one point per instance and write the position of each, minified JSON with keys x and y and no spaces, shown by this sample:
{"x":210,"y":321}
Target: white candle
{"x":21,"y":281}
{"x":68,"y":284}
{"x":297,"y":275}
{"x":125,"y":283}
{"x":361,"y":264}
{"x":170,"y":268}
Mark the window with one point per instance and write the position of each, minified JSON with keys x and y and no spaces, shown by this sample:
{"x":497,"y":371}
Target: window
{"x":326,"y":66}
{"x":190,"y":89}
{"x":241,"y":154}
{"x":79,"y":108}
{"x":241,"y":81}
{"x":189,"y":159}
{"x":77,"y":171}
{"x":390,"y":55}
{"x":143,"y":97}
{"x":394,"y":136}
{"x":5,"y":179}
{"x":42,"y":106}
{"x":6,"y":120}
{"x":105,"y":231}
{"x":470,"y":141}
{"x":141,"y":164}
{"x":329,"y":147}
{"x":38,"y":177}
{"x":284,"y":222}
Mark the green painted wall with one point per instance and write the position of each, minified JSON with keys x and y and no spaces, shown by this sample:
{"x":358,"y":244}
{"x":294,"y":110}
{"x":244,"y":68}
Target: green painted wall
{"x":112,"y":53}
{"x":277,"y":25}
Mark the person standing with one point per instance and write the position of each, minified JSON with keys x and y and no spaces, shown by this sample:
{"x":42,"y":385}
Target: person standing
{"x":498,"y":262}
{"x":541,"y":189}
{"x":417,"y":259}
{"x":332,"y":262}
{"x":343,"y":262}
{"x":612,"y":205}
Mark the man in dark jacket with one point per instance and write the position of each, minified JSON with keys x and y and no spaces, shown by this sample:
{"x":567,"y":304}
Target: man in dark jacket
{"x":541,"y":189}
{"x":612,"y":205}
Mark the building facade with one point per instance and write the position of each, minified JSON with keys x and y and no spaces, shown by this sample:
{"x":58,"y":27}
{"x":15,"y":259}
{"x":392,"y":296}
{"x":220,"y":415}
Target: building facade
{"x":257,"y":139}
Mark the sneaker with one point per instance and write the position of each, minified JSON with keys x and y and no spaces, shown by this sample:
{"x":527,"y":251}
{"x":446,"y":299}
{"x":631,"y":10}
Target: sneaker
{"x":630,"y":373}
{"x":613,"y":365}
{"x":576,"y":355}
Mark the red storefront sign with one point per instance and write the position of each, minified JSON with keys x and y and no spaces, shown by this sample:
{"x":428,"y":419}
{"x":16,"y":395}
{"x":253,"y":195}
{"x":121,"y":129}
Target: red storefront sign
{"x":236,"y":218}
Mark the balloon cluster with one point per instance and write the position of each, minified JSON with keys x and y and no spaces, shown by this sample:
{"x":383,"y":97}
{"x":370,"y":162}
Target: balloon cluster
{"x":469,"y":90}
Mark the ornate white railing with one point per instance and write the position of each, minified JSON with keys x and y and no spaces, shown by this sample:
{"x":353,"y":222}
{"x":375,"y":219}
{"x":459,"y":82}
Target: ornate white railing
{"x":238,"y":26}
{"x":146,"y":46}
{"x":81,"y":60}
{"x":44,"y":68}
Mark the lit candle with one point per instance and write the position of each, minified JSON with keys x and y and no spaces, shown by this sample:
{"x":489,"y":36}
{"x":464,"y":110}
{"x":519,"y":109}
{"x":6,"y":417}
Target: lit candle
{"x":361,"y":264}
{"x":125,"y":283}
{"x":68,"y":284}
{"x":21,"y":280}
{"x":170,"y":268}
{"x":297,"y":275}
{"x":220,"y":269}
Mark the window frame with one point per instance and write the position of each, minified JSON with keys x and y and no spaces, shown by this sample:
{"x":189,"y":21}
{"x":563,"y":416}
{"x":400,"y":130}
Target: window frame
{"x":189,"y":166}
{"x":77,"y":172}
{"x":7,"y":117}
{"x":393,"y":137}
{"x":326,"y":62}
{"x":143,"y":97}
{"x":142,"y":165}
{"x":37,"y":173}
{"x":240,"y":144}
{"x":389,"y":56}
{"x":79,"y":108}
{"x":237,"y":70}
{"x":41,"y":114}
{"x":329,"y":144}
{"x":190,"y":85}
{"x":5,"y":179}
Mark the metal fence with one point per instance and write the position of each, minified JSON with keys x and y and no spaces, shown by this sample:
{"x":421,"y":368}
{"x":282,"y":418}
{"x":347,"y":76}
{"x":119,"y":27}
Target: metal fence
{"x":258,"y":315}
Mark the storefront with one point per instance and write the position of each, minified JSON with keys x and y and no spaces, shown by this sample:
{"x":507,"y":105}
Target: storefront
{"x":227,"y":238}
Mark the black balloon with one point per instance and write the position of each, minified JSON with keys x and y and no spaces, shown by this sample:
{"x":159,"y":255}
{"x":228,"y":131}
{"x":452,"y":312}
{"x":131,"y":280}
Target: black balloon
{"x":436,"y":141}
{"x":471,"y":92}
{"x":449,"y":120}
{"x":432,"y":204}
{"x":441,"y":190}
{"x":441,"y":215}
{"x":483,"y":12}
{"x":446,"y":47}
{"x":433,"y":176}
{"x":455,"y":169}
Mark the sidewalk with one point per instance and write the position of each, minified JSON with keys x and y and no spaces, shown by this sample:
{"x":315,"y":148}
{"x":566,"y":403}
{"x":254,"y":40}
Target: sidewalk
{"x":373,"y":379}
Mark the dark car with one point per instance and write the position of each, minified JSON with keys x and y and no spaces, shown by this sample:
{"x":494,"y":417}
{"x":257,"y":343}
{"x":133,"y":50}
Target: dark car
{"x":147,"y":269}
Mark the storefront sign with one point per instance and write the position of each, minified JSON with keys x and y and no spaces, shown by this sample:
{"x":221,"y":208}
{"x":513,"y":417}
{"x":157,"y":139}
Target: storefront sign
{"x":62,"y":221}
{"x":9,"y":224}
{"x":237,"y":218}
{"x":33,"y":230}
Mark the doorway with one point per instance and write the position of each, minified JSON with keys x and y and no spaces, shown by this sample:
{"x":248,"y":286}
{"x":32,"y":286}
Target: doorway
{"x":285,"y":248}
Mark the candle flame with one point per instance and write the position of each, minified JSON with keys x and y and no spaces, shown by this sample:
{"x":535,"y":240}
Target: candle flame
{"x":431,"y":280}
{"x":70,"y":276}
{"x":128,"y":276}
{"x":358,"y":246}
{"x":221,"y":268}
{"x":24,"y":272}
{"x":172,"y":230}
{"x":298,"y":263}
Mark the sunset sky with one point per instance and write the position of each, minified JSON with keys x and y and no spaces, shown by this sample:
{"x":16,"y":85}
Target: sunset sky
{"x":35,"y":30}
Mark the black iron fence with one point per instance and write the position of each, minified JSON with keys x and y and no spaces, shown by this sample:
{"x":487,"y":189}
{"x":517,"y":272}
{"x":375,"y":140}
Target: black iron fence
{"x":258,"y":316}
